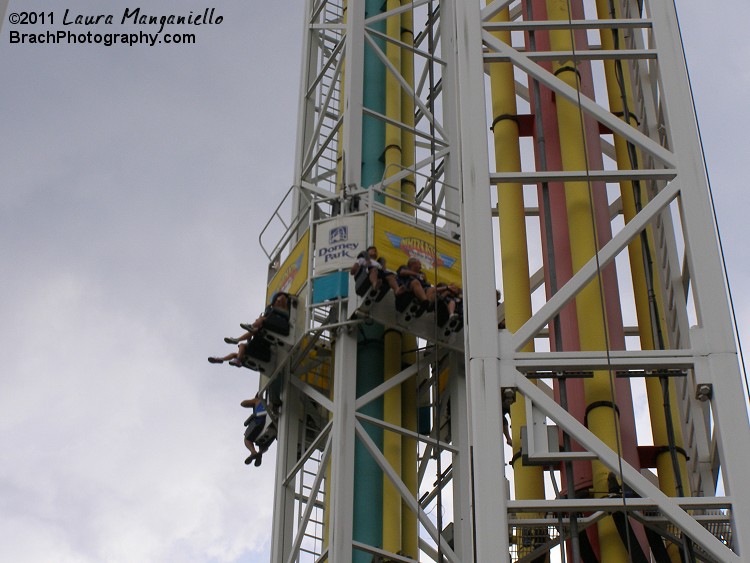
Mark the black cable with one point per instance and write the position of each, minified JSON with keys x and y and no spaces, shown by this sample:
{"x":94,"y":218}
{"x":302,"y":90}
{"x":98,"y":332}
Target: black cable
{"x":575,"y":546}
{"x":436,"y":410}
{"x":657,"y":333}
{"x":602,"y":299}
{"x":552,"y":268}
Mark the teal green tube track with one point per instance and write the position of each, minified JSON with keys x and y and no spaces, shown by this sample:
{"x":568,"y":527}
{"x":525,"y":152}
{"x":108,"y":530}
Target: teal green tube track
{"x":368,"y":477}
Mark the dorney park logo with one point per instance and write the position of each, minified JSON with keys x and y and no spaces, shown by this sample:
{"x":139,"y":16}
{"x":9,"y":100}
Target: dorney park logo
{"x":287,"y":276}
{"x":417,"y":248}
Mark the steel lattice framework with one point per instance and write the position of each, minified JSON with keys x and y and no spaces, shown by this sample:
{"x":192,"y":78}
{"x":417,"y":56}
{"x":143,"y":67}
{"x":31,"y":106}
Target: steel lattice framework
{"x":465,"y":507}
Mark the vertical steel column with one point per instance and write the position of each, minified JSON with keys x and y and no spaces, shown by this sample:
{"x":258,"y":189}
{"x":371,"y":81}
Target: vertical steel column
{"x":462,"y":532}
{"x":286,"y":457}
{"x":288,"y":432}
{"x":305,"y":106}
{"x":462,"y":44}
{"x":713,"y":339}
{"x":409,"y":454}
{"x":341,"y":486}
{"x":528,"y":480}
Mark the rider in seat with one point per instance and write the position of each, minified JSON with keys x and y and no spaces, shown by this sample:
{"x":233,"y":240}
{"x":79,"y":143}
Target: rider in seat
{"x":255,"y":425}
{"x":275,"y":318}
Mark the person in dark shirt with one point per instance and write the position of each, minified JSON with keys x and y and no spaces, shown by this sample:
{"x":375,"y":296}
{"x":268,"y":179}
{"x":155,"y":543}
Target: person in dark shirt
{"x":411,"y":278}
{"x":452,"y":295}
{"x":387,"y":276}
{"x":367,"y":259}
{"x":275,"y":317}
{"x":255,"y":425}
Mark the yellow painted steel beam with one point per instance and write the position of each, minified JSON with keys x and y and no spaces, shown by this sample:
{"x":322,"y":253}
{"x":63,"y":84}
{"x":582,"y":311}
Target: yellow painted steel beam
{"x":620,"y":93}
{"x":409,"y":446}
{"x":392,"y":154}
{"x":592,"y":323}
{"x":342,"y":106}
{"x":408,"y":184}
{"x":392,"y":401}
{"x":409,"y":450}
{"x":392,"y":445}
{"x":409,"y":405}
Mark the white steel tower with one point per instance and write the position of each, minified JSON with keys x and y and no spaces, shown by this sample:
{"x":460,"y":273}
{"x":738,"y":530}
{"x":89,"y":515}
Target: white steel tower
{"x":592,"y":217}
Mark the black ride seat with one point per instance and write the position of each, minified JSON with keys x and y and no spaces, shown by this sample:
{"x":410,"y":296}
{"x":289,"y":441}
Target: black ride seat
{"x":362,"y":282}
{"x":259,"y":348}
{"x":267,"y":434}
{"x":278,"y":323}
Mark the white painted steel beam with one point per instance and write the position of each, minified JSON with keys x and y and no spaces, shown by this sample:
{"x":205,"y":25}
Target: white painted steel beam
{"x":315,"y":445}
{"x":539,"y":25}
{"x":631,"y":476}
{"x":286,"y":451}
{"x":341,"y":489}
{"x":589,"y":271}
{"x":477,"y":257}
{"x":491,"y":9}
{"x":531,"y":178}
{"x":405,"y":87}
{"x":716,"y":333}
{"x":462,"y":530}
{"x":406,"y":496}
{"x":582,"y":55}
{"x":613,"y":504}
{"x":408,"y":433}
{"x":423,"y":363}
{"x":673,"y":173}
{"x":591,"y":107}
{"x":313,"y":393}
{"x":405,"y":8}
{"x":614,"y":359}
{"x":310,"y":504}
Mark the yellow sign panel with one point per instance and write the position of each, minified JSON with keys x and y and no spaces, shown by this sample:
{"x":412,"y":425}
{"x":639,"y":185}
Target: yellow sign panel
{"x":292,"y":274}
{"x":397,"y":242}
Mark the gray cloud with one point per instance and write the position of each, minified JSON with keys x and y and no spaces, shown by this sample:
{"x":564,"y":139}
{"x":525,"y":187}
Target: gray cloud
{"x":135,"y":182}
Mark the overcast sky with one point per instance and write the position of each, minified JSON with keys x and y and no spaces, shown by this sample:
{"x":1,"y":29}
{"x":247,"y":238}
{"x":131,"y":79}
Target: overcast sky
{"x":135,"y":181}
